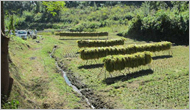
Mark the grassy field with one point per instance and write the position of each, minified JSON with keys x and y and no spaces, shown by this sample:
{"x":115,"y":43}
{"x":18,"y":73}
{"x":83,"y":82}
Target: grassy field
{"x":165,"y":85}
{"x":38,"y":83}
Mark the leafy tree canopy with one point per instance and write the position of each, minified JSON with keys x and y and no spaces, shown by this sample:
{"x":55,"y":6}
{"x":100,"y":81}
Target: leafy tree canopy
{"x":53,"y":6}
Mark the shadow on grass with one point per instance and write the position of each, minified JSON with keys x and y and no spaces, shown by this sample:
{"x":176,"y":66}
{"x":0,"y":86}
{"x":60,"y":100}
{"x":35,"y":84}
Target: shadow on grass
{"x":91,"y":66}
{"x":161,"y":57}
{"x":123,"y":78}
{"x":77,"y":53}
{"x":147,"y":39}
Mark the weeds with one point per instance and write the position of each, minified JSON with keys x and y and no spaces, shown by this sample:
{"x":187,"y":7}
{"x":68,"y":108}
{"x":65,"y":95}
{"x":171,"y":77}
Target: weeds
{"x":13,"y":104}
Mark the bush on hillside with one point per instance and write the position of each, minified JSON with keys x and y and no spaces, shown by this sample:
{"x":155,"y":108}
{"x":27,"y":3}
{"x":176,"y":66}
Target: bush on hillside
{"x":163,"y":26}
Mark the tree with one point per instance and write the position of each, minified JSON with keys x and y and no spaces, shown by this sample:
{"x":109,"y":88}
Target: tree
{"x":13,"y":6}
{"x":6,"y":80}
{"x":11,"y":25}
{"x":53,"y":6}
{"x":38,"y":6}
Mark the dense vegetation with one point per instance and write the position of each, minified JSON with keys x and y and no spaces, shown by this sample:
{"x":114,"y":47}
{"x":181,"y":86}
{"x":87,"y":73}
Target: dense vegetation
{"x":171,"y":24}
{"x":149,"y":20}
{"x":33,"y":14}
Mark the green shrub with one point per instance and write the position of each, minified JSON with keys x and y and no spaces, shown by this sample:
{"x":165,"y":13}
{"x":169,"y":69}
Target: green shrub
{"x":86,"y":27}
{"x":37,"y":17}
{"x":29,"y":16}
{"x":13,"y":104}
{"x":164,"y":25}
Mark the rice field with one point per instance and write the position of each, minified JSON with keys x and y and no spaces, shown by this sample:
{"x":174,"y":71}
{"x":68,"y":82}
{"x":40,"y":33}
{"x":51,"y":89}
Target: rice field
{"x":163,"y":85}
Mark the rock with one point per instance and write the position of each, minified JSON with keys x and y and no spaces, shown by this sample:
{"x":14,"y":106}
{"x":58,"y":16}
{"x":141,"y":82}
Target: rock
{"x":34,"y":37}
{"x":37,"y":41}
{"x":55,"y":46}
{"x":32,"y":58}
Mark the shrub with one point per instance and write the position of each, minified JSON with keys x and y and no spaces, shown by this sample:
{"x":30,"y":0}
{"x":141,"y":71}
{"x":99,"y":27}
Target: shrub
{"x":164,"y":25}
{"x":37,"y":17}
{"x":28,"y":16}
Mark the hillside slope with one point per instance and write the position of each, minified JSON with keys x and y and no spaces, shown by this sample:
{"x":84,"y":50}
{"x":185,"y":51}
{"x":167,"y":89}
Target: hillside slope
{"x":37,"y":83}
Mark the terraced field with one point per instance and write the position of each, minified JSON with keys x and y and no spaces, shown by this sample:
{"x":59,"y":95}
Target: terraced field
{"x":164,"y":85}
{"x":39,"y":84}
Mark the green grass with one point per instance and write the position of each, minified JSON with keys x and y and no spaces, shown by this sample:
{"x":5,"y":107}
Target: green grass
{"x":112,"y":28}
{"x":166,"y":86}
{"x":37,"y":83}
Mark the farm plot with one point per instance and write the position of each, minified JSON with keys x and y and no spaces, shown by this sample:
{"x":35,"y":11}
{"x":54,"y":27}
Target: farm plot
{"x":165,"y":85}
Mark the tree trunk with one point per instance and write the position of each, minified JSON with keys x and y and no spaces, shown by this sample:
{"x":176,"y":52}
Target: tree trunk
{"x":2,"y":18}
{"x":6,"y":81}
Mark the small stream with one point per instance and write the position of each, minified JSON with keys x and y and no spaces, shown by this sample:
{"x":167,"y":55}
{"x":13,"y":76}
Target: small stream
{"x":69,"y":83}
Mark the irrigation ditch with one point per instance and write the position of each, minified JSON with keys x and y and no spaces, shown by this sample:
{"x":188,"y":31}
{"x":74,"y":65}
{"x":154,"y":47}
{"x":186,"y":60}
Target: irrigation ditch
{"x":92,"y":99}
